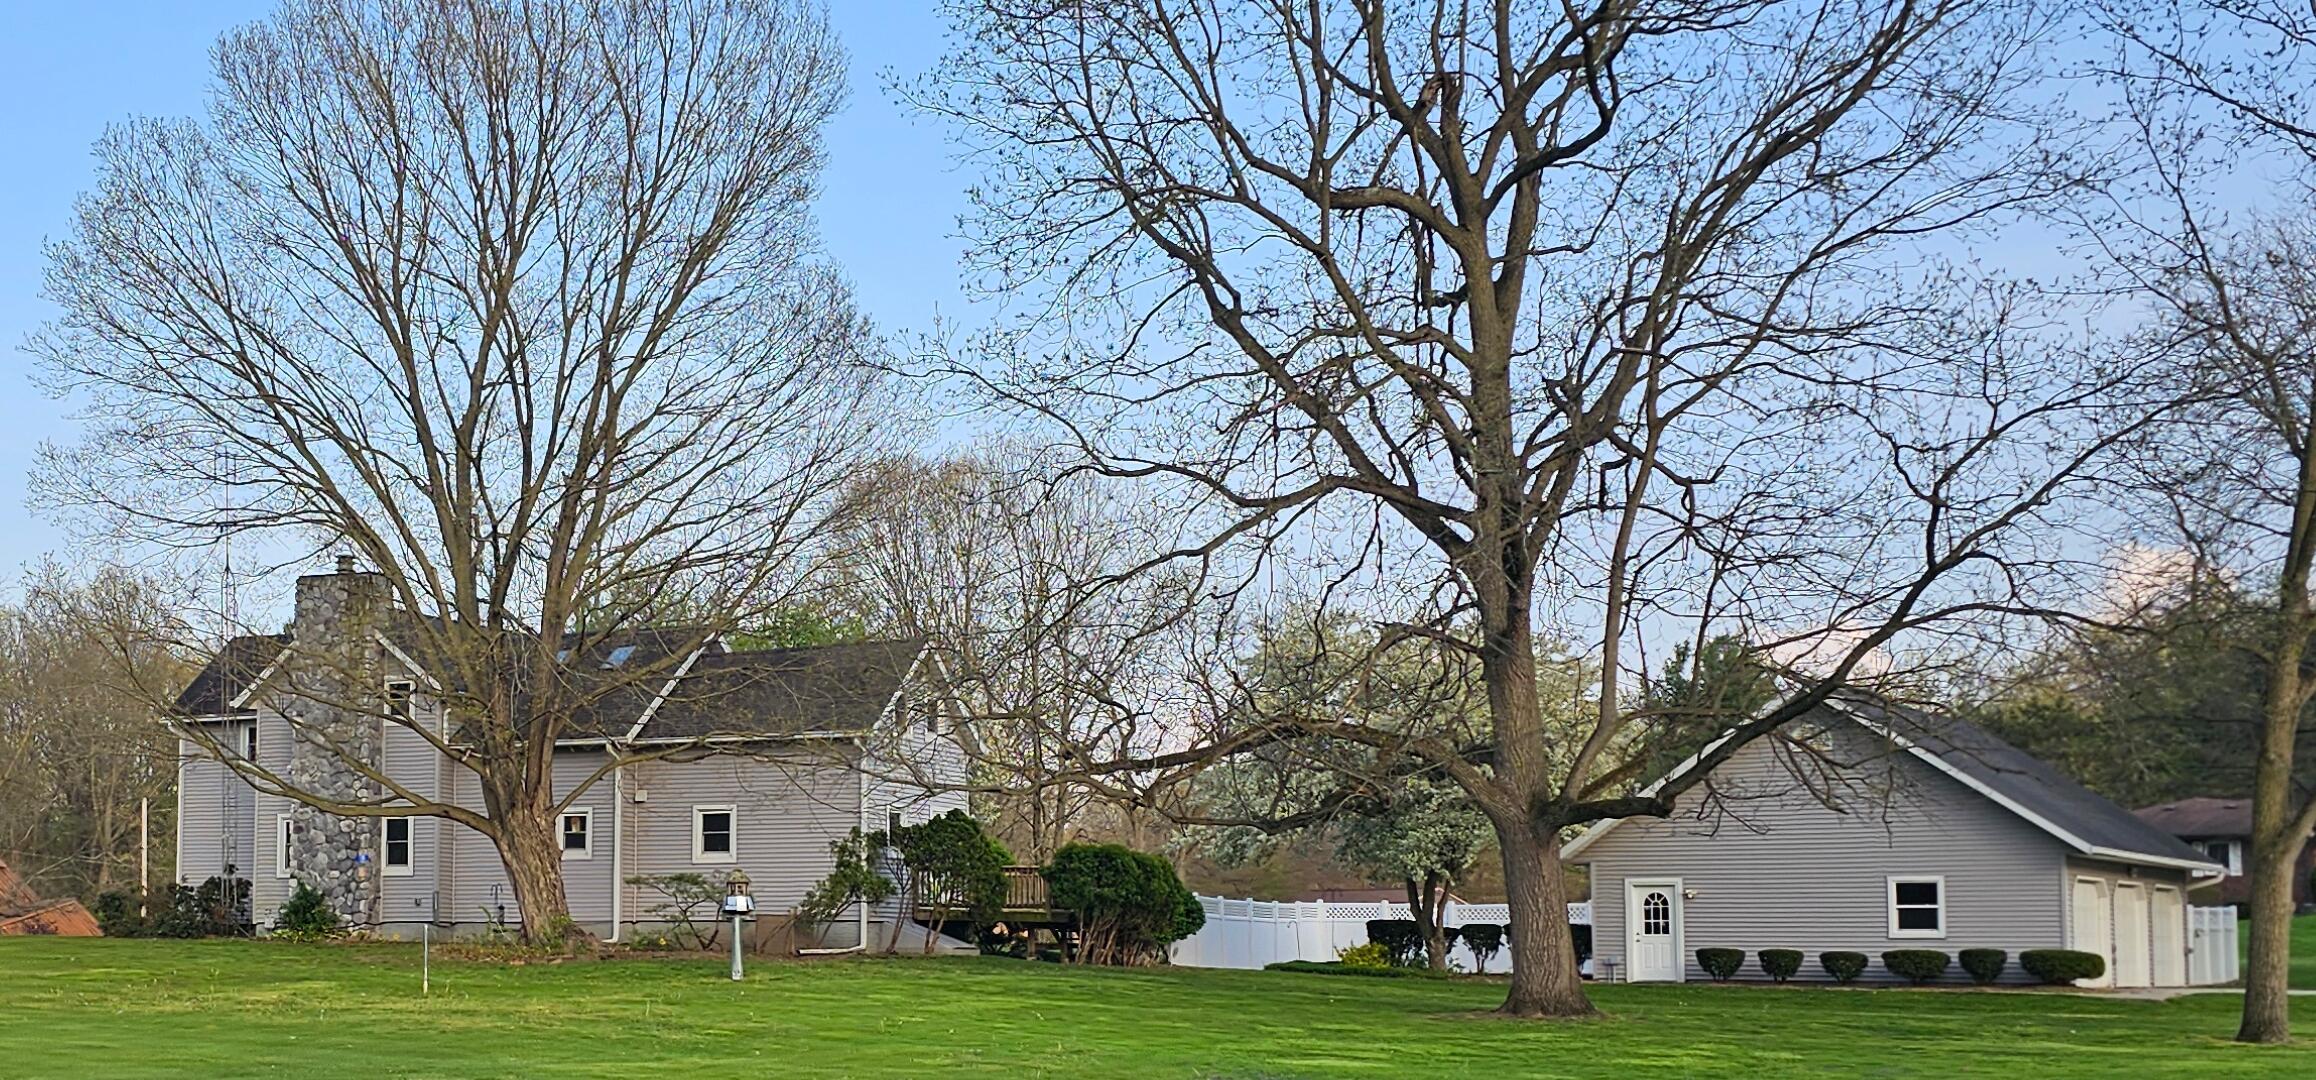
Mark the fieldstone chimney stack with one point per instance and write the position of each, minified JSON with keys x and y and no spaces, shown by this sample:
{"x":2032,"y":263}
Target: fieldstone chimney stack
{"x":336,"y":683}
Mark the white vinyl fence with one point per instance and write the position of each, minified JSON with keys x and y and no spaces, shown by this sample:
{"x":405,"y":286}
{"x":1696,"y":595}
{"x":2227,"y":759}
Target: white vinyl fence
{"x":1252,"y":933}
{"x":2211,"y":946}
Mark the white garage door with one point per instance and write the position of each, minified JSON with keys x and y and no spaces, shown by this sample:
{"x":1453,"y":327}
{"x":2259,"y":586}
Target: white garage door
{"x":2168,"y":931}
{"x":2089,"y":929}
{"x":2131,"y":960}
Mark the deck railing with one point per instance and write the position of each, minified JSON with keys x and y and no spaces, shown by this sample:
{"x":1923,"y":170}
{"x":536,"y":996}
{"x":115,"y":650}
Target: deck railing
{"x":1024,"y":891}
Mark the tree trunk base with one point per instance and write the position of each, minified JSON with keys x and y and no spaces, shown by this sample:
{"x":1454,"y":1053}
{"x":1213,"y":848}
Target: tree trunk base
{"x":1581,"y":1008}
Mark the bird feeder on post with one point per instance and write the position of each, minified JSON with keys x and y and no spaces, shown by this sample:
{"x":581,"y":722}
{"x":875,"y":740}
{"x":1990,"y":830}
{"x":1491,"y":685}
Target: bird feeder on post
{"x":738,"y":906}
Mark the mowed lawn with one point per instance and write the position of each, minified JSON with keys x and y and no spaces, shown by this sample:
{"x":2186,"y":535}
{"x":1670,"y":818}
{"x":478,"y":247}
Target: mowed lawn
{"x":90,"y":1008}
{"x":2303,"y":976}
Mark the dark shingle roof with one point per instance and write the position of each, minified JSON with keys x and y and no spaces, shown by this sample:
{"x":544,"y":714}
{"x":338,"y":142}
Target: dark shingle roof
{"x":233,"y":670}
{"x":2045,"y":796}
{"x":824,"y":689}
{"x":2201,"y":817}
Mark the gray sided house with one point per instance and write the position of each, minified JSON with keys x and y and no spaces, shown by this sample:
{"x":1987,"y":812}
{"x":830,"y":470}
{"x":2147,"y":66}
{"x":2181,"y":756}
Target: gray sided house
{"x":828,"y":738}
{"x":1870,"y":828}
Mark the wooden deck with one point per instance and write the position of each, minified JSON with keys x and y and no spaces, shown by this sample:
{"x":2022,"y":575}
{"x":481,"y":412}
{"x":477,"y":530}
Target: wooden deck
{"x":1026,"y":901}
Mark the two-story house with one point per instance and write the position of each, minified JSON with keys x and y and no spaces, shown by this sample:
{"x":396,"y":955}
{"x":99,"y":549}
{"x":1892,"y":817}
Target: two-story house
{"x":787,"y":750}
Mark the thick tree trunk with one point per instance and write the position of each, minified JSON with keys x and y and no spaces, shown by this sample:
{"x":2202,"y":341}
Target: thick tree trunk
{"x":1545,"y":982}
{"x":2276,"y":834}
{"x":1423,"y":906}
{"x":533,"y":857}
{"x":2276,"y":840}
{"x":2267,"y":1012}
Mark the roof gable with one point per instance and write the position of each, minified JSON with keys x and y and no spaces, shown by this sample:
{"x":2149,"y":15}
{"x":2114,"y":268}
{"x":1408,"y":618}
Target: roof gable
{"x":221,"y":686}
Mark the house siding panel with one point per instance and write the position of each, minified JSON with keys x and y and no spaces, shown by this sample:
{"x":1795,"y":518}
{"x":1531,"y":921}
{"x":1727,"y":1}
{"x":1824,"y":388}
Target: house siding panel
{"x":1781,"y":870}
{"x":787,"y":810}
{"x":267,"y":892}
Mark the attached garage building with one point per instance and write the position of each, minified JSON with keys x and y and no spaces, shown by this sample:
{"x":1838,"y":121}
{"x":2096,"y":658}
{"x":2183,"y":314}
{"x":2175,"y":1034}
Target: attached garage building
{"x":1866,"y":827}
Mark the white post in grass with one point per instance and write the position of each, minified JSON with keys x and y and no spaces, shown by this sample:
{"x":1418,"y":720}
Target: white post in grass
{"x":738,"y":905}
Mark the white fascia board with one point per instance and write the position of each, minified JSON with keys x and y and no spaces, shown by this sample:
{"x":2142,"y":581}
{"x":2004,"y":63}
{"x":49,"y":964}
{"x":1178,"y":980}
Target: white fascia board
{"x":242,"y":698}
{"x":1601,"y":828}
{"x":665,"y":689}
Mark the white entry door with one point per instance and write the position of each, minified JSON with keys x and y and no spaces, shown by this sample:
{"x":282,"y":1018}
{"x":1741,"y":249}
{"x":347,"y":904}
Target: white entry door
{"x":2131,"y":967}
{"x":1652,"y":920}
{"x":2090,"y":930}
{"x":2167,"y":915}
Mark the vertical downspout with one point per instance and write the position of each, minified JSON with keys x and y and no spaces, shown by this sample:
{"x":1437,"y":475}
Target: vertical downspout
{"x":618,"y":842}
{"x":860,"y":813}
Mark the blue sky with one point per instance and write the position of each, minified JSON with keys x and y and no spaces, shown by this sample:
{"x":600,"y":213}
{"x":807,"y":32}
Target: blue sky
{"x":67,"y":70}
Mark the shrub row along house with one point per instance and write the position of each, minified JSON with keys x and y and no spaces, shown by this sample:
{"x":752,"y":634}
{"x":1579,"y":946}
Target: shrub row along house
{"x":1871,"y":828}
{"x":808,"y":743}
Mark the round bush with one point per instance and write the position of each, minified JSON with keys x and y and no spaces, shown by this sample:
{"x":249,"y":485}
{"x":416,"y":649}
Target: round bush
{"x":1485,"y":940}
{"x":1370,"y":955}
{"x":1843,"y":966}
{"x":1780,"y":964}
{"x":2060,"y":967}
{"x":1400,"y":937}
{"x":1720,"y":963}
{"x":1130,"y":904}
{"x":1984,"y":965}
{"x":1916,"y":966}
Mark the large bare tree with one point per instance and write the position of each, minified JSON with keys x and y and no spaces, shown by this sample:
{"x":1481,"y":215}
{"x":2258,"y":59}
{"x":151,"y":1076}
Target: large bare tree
{"x":1624,"y":316}
{"x":2234,"y":478}
{"x":516,"y":302}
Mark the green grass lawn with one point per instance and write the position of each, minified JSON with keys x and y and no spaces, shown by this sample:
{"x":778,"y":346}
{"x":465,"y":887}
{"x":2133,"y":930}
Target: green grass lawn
{"x":2303,"y":976}
{"x":117,"y":1009}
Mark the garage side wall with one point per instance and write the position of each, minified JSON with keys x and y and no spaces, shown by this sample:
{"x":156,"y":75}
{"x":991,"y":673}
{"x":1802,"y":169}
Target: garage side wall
{"x":1774,"y":867}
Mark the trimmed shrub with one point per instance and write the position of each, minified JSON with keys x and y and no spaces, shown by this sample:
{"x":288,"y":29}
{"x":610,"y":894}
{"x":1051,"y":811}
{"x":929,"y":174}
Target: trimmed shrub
{"x":1370,"y":955}
{"x":116,"y":915}
{"x":1984,"y":965}
{"x":1720,"y":963}
{"x":1845,"y":967}
{"x":1399,"y":937}
{"x":2061,"y":967}
{"x":1917,"y":966}
{"x":306,"y":914}
{"x":1130,"y":904}
{"x":1485,"y":940}
{"x":1780,"y":964}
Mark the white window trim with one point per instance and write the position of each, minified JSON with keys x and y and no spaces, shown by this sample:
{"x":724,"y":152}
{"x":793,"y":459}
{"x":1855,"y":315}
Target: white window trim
{"x":410,"y":844}
{"x":588,"y":812}
{"x":281,"y":845}
{"x":1890,"y":898}
{"x":2235,"y":857}
{"x":409,"y":698}
{"x":249,"y":742}
{"x":702,"y":856}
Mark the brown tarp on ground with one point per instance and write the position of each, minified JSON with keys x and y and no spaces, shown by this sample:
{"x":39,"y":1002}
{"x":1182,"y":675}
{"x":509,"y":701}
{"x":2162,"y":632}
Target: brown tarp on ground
{"x":24,"y":914}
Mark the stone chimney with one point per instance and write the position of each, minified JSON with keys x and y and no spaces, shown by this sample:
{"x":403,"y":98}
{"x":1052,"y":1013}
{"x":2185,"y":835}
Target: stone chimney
{"x":336,"y":679}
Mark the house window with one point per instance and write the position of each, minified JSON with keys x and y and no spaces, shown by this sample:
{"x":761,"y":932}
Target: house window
{"x":712,"y":834}
{"x":578,"y":834}
{"x":1657,"y":914}
{"x":249,"y":742}
{"x":1918,"y":907}
{"x":398,"y":697}
{"x":892,"y":820}
{"x":2227,"y":853}
{"x":397,"y":845}
{"x":281,"y":845}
